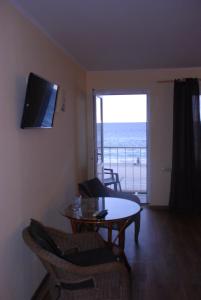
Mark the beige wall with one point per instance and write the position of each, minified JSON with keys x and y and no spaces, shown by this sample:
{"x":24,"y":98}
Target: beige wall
{"x":39,"y":167}
{"x":160,"y":117}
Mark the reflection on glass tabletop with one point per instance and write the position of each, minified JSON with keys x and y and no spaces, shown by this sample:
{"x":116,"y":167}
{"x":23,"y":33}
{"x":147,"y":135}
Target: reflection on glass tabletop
{"x":117,"y":208}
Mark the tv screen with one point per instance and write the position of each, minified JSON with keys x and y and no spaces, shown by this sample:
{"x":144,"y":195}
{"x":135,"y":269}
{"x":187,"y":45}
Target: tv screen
{"x":40,"y":103}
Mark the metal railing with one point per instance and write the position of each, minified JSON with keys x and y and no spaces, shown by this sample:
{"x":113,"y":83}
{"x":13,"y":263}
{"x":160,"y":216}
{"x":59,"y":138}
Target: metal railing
{"x":131,"y":165}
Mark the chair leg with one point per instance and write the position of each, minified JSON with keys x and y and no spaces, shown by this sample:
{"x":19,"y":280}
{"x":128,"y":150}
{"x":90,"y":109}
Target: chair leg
{"x":115,"y":187}
{"x":126,"y":262}
{"x":137,"y":227}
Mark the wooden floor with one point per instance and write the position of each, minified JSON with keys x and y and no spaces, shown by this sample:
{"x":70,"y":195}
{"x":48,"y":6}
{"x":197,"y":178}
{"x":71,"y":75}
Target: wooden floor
{"x":167,"y":263}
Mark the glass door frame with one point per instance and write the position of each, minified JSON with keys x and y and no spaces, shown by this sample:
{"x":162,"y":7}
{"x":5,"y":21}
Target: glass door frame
{"x":104,"y":92}
{"x":98,"y":151}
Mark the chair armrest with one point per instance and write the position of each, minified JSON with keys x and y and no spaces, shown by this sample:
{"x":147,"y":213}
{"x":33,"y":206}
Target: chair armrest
{"x":108,"y":171}
{"x":86,"y":271}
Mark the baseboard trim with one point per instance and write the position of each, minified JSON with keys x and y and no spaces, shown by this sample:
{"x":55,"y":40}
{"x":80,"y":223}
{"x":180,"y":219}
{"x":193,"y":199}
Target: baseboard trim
{"x":42,"y":291}
{"x":159,"y":207}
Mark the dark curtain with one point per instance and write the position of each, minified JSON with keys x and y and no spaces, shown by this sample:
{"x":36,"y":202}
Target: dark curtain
{"x":185,"y":194}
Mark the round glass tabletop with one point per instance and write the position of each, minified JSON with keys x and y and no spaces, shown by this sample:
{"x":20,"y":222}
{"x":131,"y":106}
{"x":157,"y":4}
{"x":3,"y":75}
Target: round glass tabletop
{"x":117,"y":209}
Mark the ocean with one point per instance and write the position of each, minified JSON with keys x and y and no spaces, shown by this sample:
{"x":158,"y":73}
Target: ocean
{"x":124,"y":135}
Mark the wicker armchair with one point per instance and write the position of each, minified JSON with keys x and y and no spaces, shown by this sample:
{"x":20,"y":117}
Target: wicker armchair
{"x":94,"y":188}
{"x":69,"y":281}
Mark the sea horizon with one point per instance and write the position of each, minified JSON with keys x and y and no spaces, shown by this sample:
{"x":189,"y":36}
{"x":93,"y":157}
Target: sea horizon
{"x":124,"y":134}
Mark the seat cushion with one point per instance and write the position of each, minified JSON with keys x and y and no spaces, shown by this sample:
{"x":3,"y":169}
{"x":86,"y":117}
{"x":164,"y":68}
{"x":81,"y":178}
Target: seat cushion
{"x":92,"y":257}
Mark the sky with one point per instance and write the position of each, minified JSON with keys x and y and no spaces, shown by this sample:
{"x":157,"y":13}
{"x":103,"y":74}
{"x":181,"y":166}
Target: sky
{"x":124,"y":108}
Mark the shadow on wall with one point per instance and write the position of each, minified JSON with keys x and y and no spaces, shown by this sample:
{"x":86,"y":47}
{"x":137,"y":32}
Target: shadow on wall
{"x":21,"y":267}
{"x":20,"y":91}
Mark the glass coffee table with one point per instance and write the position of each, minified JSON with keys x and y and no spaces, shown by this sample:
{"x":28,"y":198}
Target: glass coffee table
{"x":118,"y":212}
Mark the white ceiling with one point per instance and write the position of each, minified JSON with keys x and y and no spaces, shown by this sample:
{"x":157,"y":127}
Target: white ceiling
{"x":122,"y":34}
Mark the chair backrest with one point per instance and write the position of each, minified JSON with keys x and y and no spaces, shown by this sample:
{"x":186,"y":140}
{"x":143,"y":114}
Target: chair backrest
{"x":93,"y":188}
{"x":42,"y":237}
{"x":39,"y":250}
{"x":52,"y":262}
{"x":47,"y":258}
{"x":60,"y":269}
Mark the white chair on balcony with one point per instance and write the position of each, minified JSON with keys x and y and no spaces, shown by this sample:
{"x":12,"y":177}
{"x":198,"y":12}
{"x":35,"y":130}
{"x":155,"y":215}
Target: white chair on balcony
{"x":111,"y":178}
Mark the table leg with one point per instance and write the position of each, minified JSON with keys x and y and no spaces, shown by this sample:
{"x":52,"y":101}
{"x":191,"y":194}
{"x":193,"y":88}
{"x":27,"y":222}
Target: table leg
{"x":137,"y":227}
{"x":121,"y":237}
{"x":74,"y":226}
{"x":109,"y":233}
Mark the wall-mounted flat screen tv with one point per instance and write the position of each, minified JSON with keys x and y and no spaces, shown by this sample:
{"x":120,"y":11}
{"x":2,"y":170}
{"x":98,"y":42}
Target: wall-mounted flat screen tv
{"x":40,"y":103}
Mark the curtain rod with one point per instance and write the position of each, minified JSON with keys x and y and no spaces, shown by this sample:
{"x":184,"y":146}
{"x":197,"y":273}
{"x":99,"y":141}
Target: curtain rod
{"x":172,"y":80}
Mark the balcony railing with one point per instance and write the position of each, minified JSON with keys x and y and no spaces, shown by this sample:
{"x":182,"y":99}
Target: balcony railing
{"x":131,"y":165}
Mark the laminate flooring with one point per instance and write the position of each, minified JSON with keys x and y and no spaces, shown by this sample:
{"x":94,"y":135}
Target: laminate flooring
{"x":167,"y":263}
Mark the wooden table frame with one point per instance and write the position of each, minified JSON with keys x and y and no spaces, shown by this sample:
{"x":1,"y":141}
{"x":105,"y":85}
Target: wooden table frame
{"x":119,"y":223}
{"x":109,"y":225}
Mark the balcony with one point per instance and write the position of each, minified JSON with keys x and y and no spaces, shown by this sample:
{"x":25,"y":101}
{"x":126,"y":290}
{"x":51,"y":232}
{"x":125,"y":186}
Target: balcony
{"x":131,"y":165}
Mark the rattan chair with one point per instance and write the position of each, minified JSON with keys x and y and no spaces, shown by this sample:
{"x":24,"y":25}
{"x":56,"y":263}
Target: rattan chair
{"x":95,"y":188}
{"x":69,"y":281}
